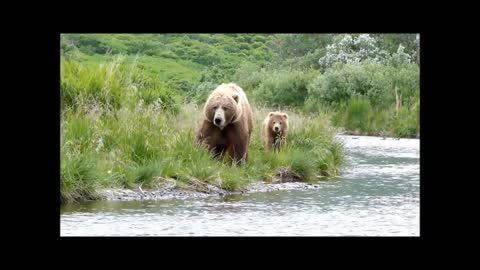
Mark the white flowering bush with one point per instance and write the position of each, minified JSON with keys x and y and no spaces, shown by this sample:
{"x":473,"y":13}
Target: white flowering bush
{"x":351,"y":50}
{"x":400,"y":58}
{"x":354,"y":50}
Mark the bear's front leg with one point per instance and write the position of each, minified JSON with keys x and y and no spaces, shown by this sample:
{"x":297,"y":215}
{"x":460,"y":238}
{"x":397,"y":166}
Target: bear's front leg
{"x":217,"y":151}
{"x":210,"y":137}
{"x":270,"y":143}
{"x":204,"y":133}
{"x":238,"y":153}
{"x":277,"y":144}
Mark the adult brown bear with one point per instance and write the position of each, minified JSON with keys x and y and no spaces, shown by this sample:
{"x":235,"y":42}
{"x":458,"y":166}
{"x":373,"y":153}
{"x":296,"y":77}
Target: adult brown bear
{"x":227,"y":125}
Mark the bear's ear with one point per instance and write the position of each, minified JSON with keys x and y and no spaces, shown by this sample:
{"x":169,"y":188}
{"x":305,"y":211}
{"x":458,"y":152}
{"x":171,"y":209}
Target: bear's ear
{"x":285,"y":115}
{"x":235,"y":97}
{"x":270,"y":114}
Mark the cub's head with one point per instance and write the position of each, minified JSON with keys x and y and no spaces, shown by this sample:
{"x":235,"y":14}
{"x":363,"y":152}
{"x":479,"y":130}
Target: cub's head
{"x":278,"y":122}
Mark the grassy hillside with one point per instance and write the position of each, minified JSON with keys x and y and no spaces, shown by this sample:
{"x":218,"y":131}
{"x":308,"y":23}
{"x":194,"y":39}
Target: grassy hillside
{"x":164,"y":69}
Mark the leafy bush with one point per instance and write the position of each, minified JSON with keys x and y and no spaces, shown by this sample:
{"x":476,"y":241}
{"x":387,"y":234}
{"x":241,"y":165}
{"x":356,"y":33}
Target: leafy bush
{"x":374,"y":81}
{"x":285,"y":88}
{"x":249,"y":76}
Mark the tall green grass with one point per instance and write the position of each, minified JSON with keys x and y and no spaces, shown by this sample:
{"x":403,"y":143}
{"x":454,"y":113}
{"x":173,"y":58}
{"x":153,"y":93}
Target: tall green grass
{"x":112,"y":85}
{"x":357,"y":116}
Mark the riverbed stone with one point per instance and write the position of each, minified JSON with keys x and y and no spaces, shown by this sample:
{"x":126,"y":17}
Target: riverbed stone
{"x":208,"y":190}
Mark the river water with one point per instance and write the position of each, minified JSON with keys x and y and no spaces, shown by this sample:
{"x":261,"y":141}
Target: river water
{"x":377,"y":194}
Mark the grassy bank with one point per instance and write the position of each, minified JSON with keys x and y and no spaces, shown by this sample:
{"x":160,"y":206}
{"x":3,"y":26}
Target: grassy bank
{"x":358,"y":117}
{"x":122,"y":127}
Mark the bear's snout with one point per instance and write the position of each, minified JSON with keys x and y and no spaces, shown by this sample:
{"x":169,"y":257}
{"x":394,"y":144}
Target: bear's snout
{"x":276,"y":128}
{"x":219,"y":117}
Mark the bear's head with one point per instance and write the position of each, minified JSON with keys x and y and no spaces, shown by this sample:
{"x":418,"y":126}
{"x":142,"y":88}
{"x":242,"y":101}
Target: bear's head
{"x":223,"y":108}
{"x":278,"y":122}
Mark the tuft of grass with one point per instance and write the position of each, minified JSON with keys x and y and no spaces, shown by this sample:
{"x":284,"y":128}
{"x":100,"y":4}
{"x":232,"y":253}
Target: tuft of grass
{"x":356,"y":114}
{"x":406,"y":123}
{"x":145,"y":174}
{"x":302,"y":164}
{"x":78,"y":178}
{"x":330,"y":159}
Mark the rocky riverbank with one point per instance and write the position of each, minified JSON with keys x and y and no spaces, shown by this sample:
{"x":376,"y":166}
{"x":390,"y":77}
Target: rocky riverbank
{"x":208,"y":190}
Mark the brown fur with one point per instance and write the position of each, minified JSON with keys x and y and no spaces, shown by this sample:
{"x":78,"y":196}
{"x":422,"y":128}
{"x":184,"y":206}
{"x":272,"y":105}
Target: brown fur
{"x":233,"y":135}
{"x":272,"y":139}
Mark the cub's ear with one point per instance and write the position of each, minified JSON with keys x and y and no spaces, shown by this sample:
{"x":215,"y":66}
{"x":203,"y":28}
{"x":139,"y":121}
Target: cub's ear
{"x":235,"y":97}
{"x":285,"y":115}
{"x":270,"y":114}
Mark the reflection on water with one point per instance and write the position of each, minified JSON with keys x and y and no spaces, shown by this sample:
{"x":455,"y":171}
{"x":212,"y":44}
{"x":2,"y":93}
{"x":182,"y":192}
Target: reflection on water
{"x":376,"y":195}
